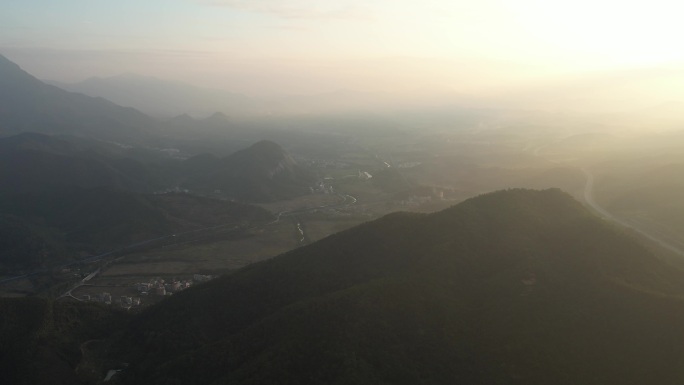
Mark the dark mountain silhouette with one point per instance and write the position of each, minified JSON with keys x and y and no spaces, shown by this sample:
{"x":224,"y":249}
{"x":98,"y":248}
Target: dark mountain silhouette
{"x":512,"y":287}
{"x":262,"y":172}
{"x":27,"y":104}
{"x":32,"y":162}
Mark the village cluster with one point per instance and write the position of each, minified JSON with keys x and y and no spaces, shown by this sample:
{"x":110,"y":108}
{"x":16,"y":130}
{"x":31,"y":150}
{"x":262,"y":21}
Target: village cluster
{"x":156,"y":286}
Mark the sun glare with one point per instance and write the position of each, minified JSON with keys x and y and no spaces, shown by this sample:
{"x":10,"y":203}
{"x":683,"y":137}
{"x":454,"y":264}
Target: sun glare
{"x":614,"y":33}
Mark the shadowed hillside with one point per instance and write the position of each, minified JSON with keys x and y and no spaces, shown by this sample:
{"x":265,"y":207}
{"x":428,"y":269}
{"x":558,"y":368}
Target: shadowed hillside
{"x":32,"y":162}
{"x":513,"y":287}
{"x":262,"y":172}
{"x":43,"y":341}
{"x":44,"y":228}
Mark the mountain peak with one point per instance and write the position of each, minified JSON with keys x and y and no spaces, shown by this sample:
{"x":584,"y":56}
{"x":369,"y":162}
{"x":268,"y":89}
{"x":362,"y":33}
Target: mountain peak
{"x":507,"y":287}
{"x":182,"y":119}
{"x":12,"y":74}
{"x":262,"y":172}
{"x":28,"y":104}
{"x":264,"y":156}
{"x":266,"y":145}
{"x":5,"y":62}
{"x":218,"y":117}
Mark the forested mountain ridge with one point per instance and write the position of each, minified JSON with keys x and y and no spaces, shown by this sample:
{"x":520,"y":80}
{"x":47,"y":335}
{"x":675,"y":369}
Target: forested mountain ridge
{"x":513,"y":287}
{"x":45,"y":228}
{"x":262,"y":172}
{"x":63,"y":195}
{"x":33,"y":162}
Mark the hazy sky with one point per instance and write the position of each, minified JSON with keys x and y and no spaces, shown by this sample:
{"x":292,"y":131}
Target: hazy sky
{"x":290,"y":46}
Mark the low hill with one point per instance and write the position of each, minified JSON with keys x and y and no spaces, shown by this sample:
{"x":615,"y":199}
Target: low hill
{"x":260,"y":173}
{"x":512,"y":287}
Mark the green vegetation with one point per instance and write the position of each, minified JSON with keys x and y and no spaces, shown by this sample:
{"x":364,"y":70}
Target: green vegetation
{"x":515,"y":287}
{"x":46,"y":227}
{"x":41,"y":341}
{"x":31,"y":162}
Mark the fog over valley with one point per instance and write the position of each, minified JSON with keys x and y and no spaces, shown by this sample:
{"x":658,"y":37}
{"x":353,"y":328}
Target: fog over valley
{"x":341,"y":192}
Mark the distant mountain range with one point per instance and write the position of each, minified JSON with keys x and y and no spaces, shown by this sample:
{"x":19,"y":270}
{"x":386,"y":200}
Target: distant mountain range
{"x":64,"y":194}
{"x":161,"y":98}
{"x":33,"y":162}
{"x":165,"y":98}
{"x":76,"y":173}
{"x":513,"y":287}
{"x":647,"y":93}
{"x":27,"y":104}
{"x":103,"y":144}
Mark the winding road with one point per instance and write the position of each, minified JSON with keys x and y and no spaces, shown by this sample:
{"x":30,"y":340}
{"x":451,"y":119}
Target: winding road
{"x":591,"y":202}
{"x":588,"y":195}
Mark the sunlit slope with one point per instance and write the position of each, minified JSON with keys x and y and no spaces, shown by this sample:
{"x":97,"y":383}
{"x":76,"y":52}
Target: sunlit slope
{"x":513,"y":287}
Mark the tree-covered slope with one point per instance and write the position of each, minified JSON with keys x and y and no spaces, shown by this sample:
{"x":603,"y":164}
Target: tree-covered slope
{"x":260,"y":173}
{"x":42,"y":228}
{"x":32,"y":162}
{"x":513,"y":287}
{"x":43,"y":341}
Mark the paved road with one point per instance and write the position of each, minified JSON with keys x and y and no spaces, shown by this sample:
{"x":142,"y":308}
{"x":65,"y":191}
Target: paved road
{"x":657,"y":238}
{"x":589,"y":200}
